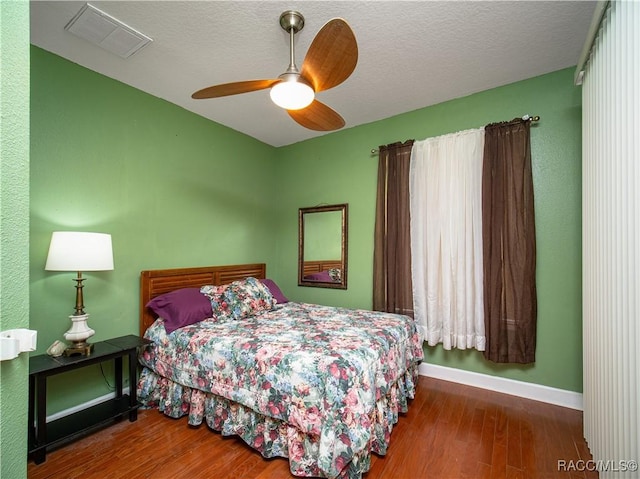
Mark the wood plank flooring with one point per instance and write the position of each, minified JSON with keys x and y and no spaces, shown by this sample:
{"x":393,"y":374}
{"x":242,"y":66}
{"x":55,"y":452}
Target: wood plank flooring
{"x":451,"y":431}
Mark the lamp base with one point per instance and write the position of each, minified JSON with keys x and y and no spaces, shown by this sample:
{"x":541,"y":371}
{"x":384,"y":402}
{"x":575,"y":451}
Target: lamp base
{"x":84,"y":349}
{"x":78,"y":335}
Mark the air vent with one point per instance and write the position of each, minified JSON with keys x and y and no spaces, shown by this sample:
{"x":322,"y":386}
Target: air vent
{"x":107,"y":32}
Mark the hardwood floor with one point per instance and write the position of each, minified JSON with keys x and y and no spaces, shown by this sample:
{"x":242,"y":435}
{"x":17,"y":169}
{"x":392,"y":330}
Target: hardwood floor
{"x":451,"y":431}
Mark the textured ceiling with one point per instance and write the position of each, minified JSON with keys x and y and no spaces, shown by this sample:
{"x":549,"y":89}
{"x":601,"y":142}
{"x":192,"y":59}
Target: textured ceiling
{"x":411,"y":54}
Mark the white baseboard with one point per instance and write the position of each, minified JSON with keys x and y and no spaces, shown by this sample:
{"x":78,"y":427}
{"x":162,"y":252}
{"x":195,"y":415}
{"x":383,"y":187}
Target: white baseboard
{"x":537,"y":392}
{"x":85,"y":405}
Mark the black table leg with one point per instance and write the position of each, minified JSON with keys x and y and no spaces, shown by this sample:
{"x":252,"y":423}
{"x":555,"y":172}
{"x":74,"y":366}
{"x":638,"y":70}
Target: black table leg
{"x":133,"y":386}
{"x":41,"y":418}
{"x":118,"y":373}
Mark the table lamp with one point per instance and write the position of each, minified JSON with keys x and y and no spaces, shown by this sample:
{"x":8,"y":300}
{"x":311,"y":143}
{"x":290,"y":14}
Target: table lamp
{"x":79,"y":251}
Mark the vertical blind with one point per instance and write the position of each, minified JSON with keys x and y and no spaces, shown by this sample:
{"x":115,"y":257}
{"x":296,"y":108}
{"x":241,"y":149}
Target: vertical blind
{"x":611,"y":241}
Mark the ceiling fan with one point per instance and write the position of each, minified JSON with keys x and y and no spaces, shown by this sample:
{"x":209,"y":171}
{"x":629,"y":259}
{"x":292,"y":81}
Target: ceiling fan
{"x":331,"y":59}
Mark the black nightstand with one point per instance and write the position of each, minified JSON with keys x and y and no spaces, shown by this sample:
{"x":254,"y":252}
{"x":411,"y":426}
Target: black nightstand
{"x":43,"y":434}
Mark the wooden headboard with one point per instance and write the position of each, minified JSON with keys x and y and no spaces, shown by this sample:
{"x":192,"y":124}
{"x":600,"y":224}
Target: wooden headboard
{"x":159,"y":281}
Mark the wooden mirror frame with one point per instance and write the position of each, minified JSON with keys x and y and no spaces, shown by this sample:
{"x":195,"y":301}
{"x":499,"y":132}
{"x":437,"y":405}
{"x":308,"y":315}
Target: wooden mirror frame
{"x":322,"y":265}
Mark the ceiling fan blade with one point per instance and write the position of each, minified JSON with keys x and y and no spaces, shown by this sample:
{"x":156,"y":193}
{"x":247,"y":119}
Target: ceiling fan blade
{"x":234,"y":88}
{"x":317,"y":116}
{"x":332,"y":56}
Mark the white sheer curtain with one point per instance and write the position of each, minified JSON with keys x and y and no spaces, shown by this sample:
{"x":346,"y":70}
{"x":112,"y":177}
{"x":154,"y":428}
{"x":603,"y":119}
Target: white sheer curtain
{"x":446,"y":239}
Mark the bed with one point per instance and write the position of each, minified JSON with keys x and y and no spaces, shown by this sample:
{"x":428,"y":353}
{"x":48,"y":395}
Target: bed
{"x":318,"y":385}
{"x":323,"y":271}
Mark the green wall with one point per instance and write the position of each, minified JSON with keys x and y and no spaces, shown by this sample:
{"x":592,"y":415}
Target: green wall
{"x":172,"y":188}
{"x":323,"y":236}
{"x":14,"y":229}
{"x":338,"y":168}
{"x":177,"y":190}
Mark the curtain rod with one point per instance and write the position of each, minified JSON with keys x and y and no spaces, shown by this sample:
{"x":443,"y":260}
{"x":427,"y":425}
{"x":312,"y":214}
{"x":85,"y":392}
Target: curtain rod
{"x":532,"y":119}
{"x":596,"y":20}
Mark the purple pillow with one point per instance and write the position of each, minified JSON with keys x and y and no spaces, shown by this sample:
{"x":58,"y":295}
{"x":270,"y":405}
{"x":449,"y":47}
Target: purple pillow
{"x":181,"y":307}
{"x":275,"y":291}
{"x":322,"y":276}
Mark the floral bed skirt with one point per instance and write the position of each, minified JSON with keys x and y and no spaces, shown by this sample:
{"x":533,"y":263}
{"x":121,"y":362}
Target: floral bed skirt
{"x":273,"y":437}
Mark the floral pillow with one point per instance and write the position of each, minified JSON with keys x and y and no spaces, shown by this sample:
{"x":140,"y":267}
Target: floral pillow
{"x":335,"y":274}
{"x":240,"y":299}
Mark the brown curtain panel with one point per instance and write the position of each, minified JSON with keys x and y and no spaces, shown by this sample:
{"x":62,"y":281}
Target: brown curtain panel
{"x":392,"y":288}
{"x":509,"y":245}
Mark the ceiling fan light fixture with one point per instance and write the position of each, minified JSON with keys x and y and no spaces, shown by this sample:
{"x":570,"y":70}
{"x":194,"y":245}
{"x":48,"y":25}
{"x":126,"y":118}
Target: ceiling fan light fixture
{"x":292,"y":93}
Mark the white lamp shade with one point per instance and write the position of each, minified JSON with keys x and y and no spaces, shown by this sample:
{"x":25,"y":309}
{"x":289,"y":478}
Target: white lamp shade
{"x":291,"y":95}
{"x":79,"y":251}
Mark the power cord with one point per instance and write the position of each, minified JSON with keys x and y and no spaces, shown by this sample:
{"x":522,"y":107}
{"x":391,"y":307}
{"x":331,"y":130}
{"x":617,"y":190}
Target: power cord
{"x":111,"y":388}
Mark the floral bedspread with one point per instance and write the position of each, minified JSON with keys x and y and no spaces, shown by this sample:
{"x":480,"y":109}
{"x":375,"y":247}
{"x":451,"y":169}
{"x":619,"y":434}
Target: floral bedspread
{"x":320,"y":385}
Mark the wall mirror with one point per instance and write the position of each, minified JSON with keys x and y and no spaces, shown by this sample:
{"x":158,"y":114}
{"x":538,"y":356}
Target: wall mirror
{"x":322,"y":246}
